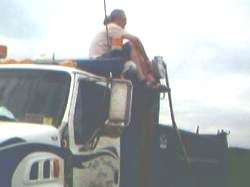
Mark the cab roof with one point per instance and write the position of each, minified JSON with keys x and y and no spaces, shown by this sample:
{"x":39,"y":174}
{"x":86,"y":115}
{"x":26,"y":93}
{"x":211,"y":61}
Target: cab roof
{"x":51,"y":67}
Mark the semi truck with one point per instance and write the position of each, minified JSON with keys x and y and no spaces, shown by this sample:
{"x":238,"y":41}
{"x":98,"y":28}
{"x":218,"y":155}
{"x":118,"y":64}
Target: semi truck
{"x":72,"y":127}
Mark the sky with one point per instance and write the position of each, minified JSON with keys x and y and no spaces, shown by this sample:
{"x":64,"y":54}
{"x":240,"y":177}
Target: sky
{"x":205,"y":45}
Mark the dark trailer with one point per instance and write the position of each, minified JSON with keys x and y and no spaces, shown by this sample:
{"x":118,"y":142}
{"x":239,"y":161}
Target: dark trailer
{"x":161,"y":155}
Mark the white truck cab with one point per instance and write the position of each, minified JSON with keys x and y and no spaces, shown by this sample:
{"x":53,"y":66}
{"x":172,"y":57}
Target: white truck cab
{"x":52,"y":126}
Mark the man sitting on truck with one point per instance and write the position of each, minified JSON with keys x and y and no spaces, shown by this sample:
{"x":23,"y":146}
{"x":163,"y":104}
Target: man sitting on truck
{"x":109,"y":43}
{"x":109,"y":54}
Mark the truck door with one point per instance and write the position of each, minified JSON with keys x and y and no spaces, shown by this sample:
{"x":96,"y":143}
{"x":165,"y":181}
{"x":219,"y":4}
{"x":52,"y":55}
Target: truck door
{"x":91,"y":166}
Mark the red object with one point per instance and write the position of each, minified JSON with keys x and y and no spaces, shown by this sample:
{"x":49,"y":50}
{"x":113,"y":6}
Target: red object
{"x":117,"y":42}
{"x":3,"y":51}
{"x":56,"y":171}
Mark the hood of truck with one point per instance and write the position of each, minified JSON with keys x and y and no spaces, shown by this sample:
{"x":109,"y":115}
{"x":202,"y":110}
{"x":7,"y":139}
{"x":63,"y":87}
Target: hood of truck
{"x":29,"y":132}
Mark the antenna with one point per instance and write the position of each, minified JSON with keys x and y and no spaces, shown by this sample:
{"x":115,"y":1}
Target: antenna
{"x":105,"y":9}
{"x":105,"y":12}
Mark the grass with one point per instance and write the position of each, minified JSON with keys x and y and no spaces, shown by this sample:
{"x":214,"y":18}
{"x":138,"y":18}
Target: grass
{"x":239,"y":167}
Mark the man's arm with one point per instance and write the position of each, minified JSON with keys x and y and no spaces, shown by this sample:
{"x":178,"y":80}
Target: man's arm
{"x":137,"y":43}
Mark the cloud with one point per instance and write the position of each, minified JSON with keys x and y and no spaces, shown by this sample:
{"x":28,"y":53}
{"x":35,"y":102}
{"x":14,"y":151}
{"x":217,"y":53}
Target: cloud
{"x":210,"y":58}
{"x":214,"y":103}
{"x":189,"y":115}
{"x":211,"y":119}
{"x":14,"y":21}
{"x":232,"y":61}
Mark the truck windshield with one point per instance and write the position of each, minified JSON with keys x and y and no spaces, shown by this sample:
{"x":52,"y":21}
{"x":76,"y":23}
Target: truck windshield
{"x":33,"y":96}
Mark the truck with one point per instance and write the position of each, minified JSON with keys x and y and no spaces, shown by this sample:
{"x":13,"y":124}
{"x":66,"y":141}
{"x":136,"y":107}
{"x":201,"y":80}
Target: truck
{"x":72,"y":127}
{"x":55,"y":115}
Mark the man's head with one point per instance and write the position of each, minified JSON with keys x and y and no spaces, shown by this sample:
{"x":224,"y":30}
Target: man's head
{"x":117,"y":16}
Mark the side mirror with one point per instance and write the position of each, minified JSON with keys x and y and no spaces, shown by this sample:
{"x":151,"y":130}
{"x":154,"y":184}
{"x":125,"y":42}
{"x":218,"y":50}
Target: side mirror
{"x":3,"y":51}
{"x":120,"y":103}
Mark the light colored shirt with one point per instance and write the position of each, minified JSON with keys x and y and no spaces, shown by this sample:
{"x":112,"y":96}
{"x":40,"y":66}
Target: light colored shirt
{"x":100,"y":45}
